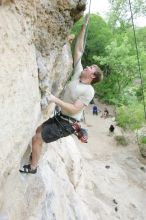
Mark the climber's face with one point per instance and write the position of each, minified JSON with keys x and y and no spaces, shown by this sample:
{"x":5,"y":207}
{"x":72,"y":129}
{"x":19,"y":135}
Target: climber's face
{"x":89,"y":71}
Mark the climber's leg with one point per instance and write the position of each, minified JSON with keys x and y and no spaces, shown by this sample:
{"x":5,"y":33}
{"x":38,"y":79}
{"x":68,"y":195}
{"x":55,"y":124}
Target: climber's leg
{"x":36,"y":148}
{"x":36,"y":151}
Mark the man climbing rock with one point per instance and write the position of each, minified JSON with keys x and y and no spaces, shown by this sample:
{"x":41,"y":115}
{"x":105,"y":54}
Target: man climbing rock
{"x":78,"y":94}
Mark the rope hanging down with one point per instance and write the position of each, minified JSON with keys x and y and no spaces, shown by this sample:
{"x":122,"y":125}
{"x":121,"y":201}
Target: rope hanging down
{"x":85,"y":38}
{"x":138,"y":60}
{"x":84,"y":44}
{"x":86,"y":34}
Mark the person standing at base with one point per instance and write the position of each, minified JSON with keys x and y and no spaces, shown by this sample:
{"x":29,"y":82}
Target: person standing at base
{"x":78,"y":94}
{"x":105,"y":113}
{"x":95,"y":112}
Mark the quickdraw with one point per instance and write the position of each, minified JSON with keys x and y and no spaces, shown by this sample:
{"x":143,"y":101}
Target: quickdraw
{"x":81,"y":133}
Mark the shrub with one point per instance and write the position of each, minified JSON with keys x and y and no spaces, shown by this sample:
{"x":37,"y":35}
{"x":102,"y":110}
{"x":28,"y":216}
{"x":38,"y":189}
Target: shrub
{"x":143,"y":140}
{"x":121,"y":140}
{"x":130,"y":116}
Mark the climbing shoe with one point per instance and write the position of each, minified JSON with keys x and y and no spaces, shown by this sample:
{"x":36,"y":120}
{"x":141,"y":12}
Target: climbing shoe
{"x":27,"y":169}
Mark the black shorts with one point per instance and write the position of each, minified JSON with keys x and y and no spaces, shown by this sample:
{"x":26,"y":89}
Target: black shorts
{"x":55,"y":128}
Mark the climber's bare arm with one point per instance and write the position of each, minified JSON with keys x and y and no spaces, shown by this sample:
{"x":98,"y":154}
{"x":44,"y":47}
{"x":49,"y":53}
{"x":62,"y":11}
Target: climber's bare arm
{"x":79,"y":46}
{"x":67,"y":107}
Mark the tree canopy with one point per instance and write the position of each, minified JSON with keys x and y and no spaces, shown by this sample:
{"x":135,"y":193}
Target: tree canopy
{"x":120,"y":15}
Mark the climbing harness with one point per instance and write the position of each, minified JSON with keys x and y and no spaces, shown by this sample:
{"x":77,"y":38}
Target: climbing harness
{"x":81,"y":133}
{"x":138,"y":60}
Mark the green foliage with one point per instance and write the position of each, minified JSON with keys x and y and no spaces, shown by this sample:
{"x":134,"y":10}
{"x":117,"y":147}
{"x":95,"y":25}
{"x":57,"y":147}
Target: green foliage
{"x":120,"y":15}
{"x":142,"y":146}
{"x":119,"y":85}
{"x":121,"y":140}
{"x":122,"y":71}
{"x":131,"y":116}
{"x":143,"y":140}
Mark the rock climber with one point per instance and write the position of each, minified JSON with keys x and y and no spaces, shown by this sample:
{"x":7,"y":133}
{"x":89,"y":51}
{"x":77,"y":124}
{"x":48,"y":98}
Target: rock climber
{"x":78,"y":94}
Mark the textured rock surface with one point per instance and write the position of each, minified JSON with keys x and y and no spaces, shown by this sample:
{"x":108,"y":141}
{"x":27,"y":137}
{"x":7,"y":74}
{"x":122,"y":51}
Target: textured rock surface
{"x":51,"y":193}
{"x":72,"y":182}
{"x":34,"y":54}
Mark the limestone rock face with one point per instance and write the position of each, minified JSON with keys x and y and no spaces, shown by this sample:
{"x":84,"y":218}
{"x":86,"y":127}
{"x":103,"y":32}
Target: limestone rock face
{"x":34,"y":55}
{"x":92,"y":181}
{"x":51,"y":193}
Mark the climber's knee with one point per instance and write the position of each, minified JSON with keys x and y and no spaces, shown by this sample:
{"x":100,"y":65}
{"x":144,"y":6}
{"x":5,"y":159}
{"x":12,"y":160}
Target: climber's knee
{"x":37,"y":138}
{"x":39,"y":129}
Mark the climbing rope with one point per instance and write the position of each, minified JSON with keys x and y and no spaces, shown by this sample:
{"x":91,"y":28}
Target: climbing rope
{"x":84,"y":44}
{"x":86,"y":33}
{"x":85,"y":37}
{"x":138,"y":60}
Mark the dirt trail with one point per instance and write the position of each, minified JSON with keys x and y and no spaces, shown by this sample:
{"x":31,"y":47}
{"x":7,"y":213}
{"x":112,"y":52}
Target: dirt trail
{"x":114,"y":175}
{"x":101,"y":144}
